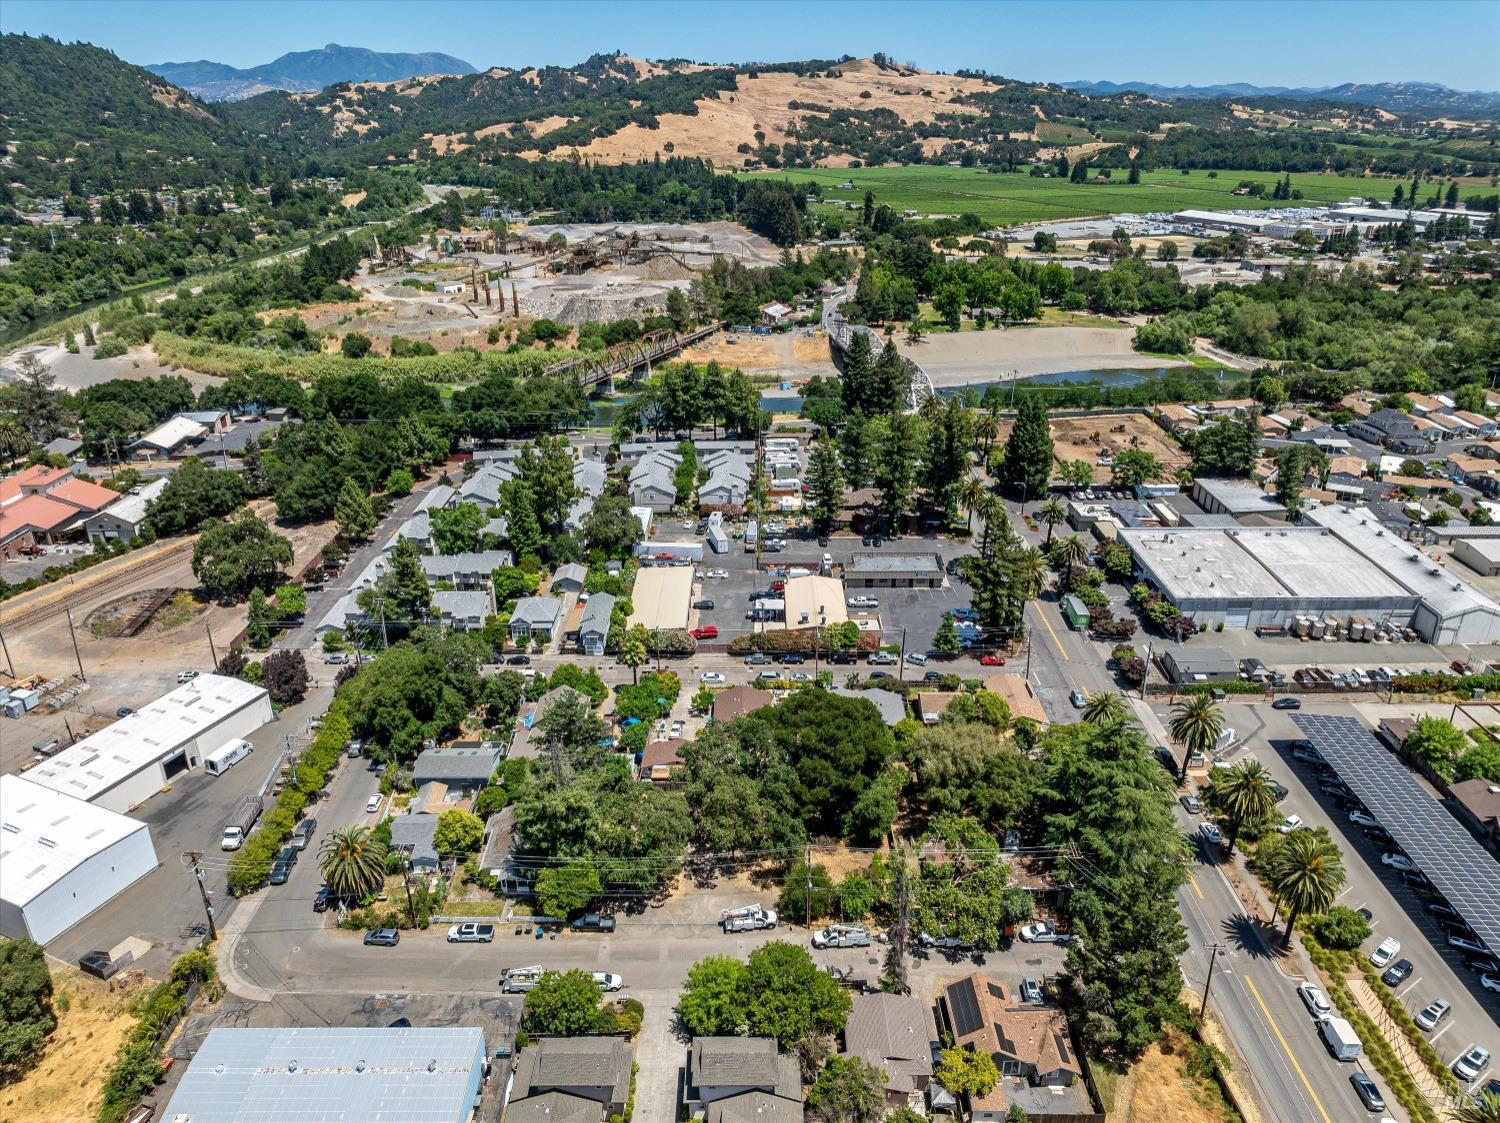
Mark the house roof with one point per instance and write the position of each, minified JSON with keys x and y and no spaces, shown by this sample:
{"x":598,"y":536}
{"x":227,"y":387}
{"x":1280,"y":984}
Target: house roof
{"x":36,"y":476}
{"x":1480,"y":797}
{"x":597,"y":613}
{"x":891,"y":705}
{"x":536,"y":611}
{"x":589,"y":476}
{"x":755,"y":1107}
{"x":416,"y":831}
{"x":63,"y":446}
{"x":892,"y":1032}
{"x":172,"y":432}
{"x":461,"y":604}
{"x":572,"y":571}
{"x":573,"y":1062}
{"x":553,"y":1107}
{"x":35,"y":512}
{"x":743,"y":1062}
{"x":664,"y":755}
{"x":1019,"y":695}
{"x":738,"y":701}
{"x":986,"y":1019}
{"x":934,"y":703}
{"x":455,"y":762}
{"x":131,"y":508}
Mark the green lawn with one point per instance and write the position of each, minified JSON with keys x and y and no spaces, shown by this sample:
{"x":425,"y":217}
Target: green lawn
{"x":1005,"y":199}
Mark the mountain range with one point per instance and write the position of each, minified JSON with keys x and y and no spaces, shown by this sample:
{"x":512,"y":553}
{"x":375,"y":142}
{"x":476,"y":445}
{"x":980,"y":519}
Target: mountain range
{"x":304,"y":71}
{"x":1395,"y":97}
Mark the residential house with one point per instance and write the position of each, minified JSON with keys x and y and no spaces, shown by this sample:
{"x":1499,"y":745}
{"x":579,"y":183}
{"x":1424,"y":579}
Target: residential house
{"x":590,"y":477}
{"x":463,"y":766}
{"x":659,"y":758}
{"x":534,"y":618}
{"x":738,"y":701}
{"x":1427,"y":403}
{"x":894,"y":1033}
{"x":172,"y":437}
{"x":526,"y":739}
{"x":570,"y":1080}
{"x":67,"y":447}
{"x":466,"y":571}
{"x":437,"y":497}
{"x":1028,"y":1042}
{"x":1431,"y":430}
{"x":743,"y":1080}
{"x":122,"y":520}
{"x":728,"y":483}
{"x":593,"y":626}
{"x":653,"y":484}
{"x":1477,"y":804}
{"x":891,"y":705}
{"x":483,"y":487}
{"x":932,"y":704}
{"x":463,"y":610}
{"x":776,"y":313}
{"x":1361,"y":407}
{"x":1326,"y":440}
{"x":418,"y":531}
{"x":1176,"y":417}
{"x":414,"y":833}
{"x":569,"y":578}
{"x":1384,"y":426}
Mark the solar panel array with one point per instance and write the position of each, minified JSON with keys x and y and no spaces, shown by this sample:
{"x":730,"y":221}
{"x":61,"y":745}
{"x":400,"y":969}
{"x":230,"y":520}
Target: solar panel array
{"x":1463,"y":871}
{"x":963,"y":1003}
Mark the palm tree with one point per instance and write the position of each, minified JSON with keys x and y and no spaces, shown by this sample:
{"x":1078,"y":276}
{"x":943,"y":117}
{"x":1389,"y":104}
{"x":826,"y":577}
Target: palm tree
{"x":1029,"y":572}
{"x":14,"y":437}
{"x":352,"y":860}
{"x":986,"y":429}
{"x":1306,"y":872}
{"x":972,"y":495}
{"x":1066,"y":554}
{"x":1105,"y":708}
{"x":1197,"y":723}
{"x":1052,"y":513}
{"x":1484,"y":1108}
{"x":1248,"y":793}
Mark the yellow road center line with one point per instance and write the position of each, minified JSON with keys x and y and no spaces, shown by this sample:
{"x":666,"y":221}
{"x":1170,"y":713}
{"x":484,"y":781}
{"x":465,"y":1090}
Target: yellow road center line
{"x":1276,"y":1029}
{"x":1040,"y":611}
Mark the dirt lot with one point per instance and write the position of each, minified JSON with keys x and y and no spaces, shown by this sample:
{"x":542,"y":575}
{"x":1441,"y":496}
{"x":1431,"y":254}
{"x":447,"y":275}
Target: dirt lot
{"x":973,"y":357}
{"x":91,"y":1023}
{"x":794,"y":353}
{"x":1081,"y":438}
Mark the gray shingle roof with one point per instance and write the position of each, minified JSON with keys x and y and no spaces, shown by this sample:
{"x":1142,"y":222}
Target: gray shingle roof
{"x":742,"y":1062}
{"x":574,"y":1062}
{"x":891,"y":1031}
{"x":455,"y":762}
{"x":537,"y":611}
{"x":596,"y":614}
{"x":416,"y":832}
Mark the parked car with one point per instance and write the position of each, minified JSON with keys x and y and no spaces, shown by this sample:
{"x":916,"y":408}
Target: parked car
{"x":842,"y":658}
{"x":1446,"y":911}
{"x":933,"y":676}
{"x":608,"y":981}
{"x":1397,"y":973}
{"x":706,"y":631}
{"x":1031,"y":990}
{"x":882,"y":659}
{"x":705,"y":605}
{"x":1434,"y":1012}
{"x":124,"y":711}
{"x":842,"y":936}
{"x":372,"y":804}
{"x":790,"y":658}
{"x":1363,"y":818}
{"x":992,"y":661}
{"x":1191,"y":804}
{"x":1287,"y":702}
{"x":769,"y":676}
{"x":519,"y":661}
{"x":1490,"y":982}
{"x":1289,"y":824}
{"x":1315,"y":1000}
{"x":757,"y":659}
{"x":1397,"y":861}
{"x":471,"y":934}
{"x":1078,"y":698}
{"x":382,"y":937}
{"x":1389,"y":948}
{"x":1304,"y":751}
{"x":1463,"y":943}
{"x":712,"y":678}
{"x":717,"y":575}
{"x":1211,"y":834}
{"x":916,"y":658}
{"x":594,"y":922}
{"x":1471,"y":1062}
{"x":1368,"y":1094}
{"x":303,"y":832}
{"x":1042,"y":933}
{"x":186,"y":676}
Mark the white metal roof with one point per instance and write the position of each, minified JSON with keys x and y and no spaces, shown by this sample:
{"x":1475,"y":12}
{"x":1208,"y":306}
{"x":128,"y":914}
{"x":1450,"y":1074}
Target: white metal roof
{"x":132,"y":508}
{"x":45,"y":835}
{"x":99,"y":762}
{"x":169,"y":434}
{"x":330,"y":1075}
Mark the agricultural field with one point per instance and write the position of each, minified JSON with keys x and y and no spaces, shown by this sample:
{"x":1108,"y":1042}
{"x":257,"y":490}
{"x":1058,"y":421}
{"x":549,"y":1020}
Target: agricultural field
{"x":1015,"y":198}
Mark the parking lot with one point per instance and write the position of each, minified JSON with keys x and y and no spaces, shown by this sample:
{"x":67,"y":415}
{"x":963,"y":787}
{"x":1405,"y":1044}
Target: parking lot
{"x":917,"y":612}
{"x":1397,"y":909}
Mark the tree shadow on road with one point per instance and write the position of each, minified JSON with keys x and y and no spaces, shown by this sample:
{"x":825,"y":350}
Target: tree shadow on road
{"x":1254,"y":936}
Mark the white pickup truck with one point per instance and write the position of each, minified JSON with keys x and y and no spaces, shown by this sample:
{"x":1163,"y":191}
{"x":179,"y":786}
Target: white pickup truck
{"x":748,"y":918}
{"x":471,"y":934}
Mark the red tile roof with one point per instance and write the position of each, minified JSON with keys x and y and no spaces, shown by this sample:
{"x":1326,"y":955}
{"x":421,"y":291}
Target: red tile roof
{"x":36,"y":476}
{"x":33,"y":511}
{"x":82,"y":494}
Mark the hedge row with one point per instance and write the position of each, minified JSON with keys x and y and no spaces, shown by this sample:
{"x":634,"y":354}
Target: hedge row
{"x":138,"y":1064}
{"x":1446,"y":684}
{"x":102,"y":551}
{"x":1402,"y":1017}
{"x":224,"y":359}
{"x":252,"y":865}
{"x":800,"y":640}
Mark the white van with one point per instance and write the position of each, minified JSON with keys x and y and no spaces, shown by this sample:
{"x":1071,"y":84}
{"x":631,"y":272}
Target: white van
{"x":226,"y":756}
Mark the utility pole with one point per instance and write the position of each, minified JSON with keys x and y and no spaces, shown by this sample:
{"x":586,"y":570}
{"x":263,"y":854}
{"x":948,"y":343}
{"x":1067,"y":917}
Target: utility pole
{"x":1213,"y":957}
{"x":385,"y":639}
{"x":901,"y":660}
{"x":9,"y":666}
{"x":76,"y":656}
{"x":192,"y":857}
{"x":411,"y":909}
{"x":807,"y":865}
{"x":1147,"y":673}
{"x":212,"y":651}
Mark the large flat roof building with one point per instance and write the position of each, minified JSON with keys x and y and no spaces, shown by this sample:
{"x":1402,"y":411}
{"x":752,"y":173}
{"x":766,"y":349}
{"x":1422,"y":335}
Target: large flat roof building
{"x":416,"y":1075}
{"x":662,"y":596}
{"x":880,"y":570}
{"x":1346,"y":562}
{"x":61,"y":858}
{"x":128,"y":762}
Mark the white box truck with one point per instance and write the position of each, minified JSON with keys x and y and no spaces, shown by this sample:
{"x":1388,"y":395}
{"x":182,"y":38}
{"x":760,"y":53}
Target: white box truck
{"x":226,"y":756}
{"x":1340,"y":1038}
{"x":752,"y":536}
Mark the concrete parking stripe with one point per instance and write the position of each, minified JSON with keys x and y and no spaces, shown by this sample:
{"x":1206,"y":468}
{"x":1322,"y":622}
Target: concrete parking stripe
{"x":1402,"y":992}
{"x":1287,"y":1049}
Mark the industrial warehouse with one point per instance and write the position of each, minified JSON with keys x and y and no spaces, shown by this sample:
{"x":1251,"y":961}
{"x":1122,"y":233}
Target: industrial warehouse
{"x":128,"y":762}
{"x":61,"y":858}
{"x":1344,"y":564}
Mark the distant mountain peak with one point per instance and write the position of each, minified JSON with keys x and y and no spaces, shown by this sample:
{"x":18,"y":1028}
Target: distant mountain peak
{"x":305,"y":71}
{"x":1407,"y":98}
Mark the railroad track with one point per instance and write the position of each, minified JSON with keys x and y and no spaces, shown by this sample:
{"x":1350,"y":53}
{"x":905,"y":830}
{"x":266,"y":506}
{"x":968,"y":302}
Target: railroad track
{"x":87,"y":594}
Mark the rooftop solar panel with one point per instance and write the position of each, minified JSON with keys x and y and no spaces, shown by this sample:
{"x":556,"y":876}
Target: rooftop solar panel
{"x":964,"y":1005}
{"x":1462,"y":870}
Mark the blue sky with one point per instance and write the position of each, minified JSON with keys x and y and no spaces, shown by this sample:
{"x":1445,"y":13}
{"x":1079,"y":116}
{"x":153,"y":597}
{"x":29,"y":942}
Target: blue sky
{"x":1174,"y":42}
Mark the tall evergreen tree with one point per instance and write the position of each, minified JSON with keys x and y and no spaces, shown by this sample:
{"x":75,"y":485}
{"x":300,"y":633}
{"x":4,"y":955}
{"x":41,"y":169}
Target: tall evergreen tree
{"x":897,"y":441}
{"x":353,"y":511}
{"x":825,"y":485}
{"x":855,"y":386}
{"x":257,"y":482}
{"x":1028,"y":452}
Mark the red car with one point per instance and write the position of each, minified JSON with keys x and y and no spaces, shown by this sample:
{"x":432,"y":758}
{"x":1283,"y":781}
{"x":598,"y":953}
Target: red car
{"x":778,"y":586}
{"x":708,"y":631}
{"x":992,"y":661}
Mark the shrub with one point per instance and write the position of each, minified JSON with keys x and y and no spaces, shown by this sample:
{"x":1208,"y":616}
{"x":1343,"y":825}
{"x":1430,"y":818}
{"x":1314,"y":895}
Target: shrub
{"x":1342,"y":928}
